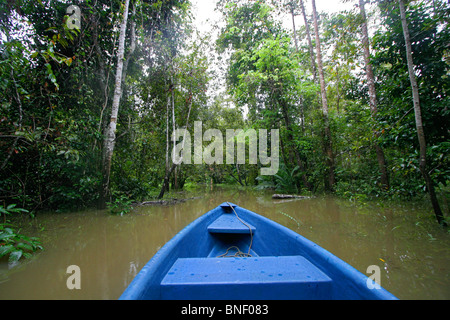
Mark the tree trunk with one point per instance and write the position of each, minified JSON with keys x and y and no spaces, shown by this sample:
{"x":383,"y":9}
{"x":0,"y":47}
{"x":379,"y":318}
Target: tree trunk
{"x":299,"y":162}
{"x":166,"y":177}
{"x":418,"y":117}
{"x":165,"y":185}
{"x":372,"y":95}
{"x":111,"y":131}
{"x":308,"y":36}
{"x":293,"y":26}
{"x":330,"y":179}
{"x":132,"y":43}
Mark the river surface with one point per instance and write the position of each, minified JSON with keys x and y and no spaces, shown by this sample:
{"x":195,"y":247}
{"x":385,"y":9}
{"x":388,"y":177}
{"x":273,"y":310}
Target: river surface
{"x":411,"y":250}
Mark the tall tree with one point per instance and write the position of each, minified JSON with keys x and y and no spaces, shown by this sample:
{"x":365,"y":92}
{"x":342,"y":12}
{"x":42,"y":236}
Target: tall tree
{"x":418,"y":117}
{"x":372,"y":94}
{"x":111,"y":130}
{"x":330,"y":179}
{"x":188,"y":83}
{"x":310,"y":44}
{"x":292,"y":6}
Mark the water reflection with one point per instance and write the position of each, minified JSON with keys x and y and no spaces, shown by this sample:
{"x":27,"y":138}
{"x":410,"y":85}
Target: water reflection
{"x":410,"y":249}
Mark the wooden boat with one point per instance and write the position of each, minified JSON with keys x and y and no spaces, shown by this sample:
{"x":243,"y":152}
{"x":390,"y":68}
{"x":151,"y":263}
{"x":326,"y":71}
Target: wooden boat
{"x":231,"y":253}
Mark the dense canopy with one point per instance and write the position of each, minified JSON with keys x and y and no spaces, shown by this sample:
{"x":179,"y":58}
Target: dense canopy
{"x":90,"y":96}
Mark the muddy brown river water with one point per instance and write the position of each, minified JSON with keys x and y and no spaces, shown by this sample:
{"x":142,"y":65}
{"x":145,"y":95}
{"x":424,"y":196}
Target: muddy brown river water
{"x":411,"y":250}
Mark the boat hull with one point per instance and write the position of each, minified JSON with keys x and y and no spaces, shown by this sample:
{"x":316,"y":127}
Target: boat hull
{"x":274,"y":262}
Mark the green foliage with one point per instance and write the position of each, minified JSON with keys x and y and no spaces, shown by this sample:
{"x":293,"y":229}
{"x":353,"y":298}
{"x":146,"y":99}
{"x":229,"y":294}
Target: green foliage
{"x":430,"y":36}
{"x":13,"y":244}
{"x":286,"y":180}
{"x":56,"y":88}
{"x":11,"y":209}
{"x":272,"y":79}
{"x":121,"y":204}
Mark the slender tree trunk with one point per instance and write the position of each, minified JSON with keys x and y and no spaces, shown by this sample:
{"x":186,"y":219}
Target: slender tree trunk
{"x":132,"y":43}
{"x":293,"y":26}
{"x":174,"y":127}
{"x":311,"y":48}
{"x":330,"y":179}
{"x":169,"y":169}
{"x":166,"y":177}
{"x":372,"y":95}
{"x":111,"y":131}
{"x":286,"y":117}
{"x":418,"y":117}
{"x":165,"y":185}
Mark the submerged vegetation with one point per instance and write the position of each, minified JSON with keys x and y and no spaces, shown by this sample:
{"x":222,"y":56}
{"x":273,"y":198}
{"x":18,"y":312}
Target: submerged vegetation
{"x":342,"y":98}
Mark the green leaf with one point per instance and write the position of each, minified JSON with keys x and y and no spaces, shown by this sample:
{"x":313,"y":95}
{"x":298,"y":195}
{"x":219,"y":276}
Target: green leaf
{"x":15,"y":256}
{"x":25,"y":246}
{"x":5,"y":236}
{"x":5,"y":249}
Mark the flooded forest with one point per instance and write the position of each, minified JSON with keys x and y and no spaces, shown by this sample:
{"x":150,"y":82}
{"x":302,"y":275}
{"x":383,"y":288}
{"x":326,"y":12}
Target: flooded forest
{"x":122,"y":121}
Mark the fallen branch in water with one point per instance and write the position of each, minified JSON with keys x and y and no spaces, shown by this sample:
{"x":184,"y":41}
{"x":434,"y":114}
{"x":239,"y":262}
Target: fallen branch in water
{"x":288,"y":196}
{"x":163,"y":202}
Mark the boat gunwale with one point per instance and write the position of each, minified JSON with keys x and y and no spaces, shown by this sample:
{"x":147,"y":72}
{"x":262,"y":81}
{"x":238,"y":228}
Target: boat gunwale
{"x":328,"y":262}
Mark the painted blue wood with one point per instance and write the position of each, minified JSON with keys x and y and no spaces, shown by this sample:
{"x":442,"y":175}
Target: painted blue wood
{"x":269,"y":240}
{"x":229,"y":223}
{"x":268,"y":278}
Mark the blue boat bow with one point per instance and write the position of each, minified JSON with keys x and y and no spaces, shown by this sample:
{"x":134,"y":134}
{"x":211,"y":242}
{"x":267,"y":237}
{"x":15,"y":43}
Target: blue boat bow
{"x":233,"y":253}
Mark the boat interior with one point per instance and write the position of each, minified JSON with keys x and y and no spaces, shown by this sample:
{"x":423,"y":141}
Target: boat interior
{"x":233,"y":269}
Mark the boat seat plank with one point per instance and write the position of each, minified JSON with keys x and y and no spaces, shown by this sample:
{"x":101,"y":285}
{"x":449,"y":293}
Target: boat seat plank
{"x":283,"y":277}
{"x":229,"y":223}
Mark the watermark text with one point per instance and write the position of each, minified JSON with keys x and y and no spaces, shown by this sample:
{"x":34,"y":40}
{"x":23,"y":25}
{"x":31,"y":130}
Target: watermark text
{"x":235,"y":145}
